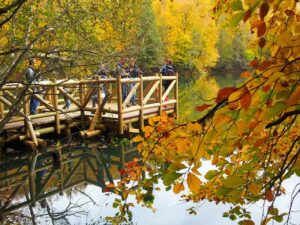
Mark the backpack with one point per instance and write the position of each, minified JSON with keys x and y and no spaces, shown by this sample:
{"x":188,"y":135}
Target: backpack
{"x":167,"y":70}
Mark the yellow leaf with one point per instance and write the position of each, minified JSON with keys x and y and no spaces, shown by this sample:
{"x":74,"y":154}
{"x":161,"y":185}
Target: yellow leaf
{"x":254,"y":189}
{"x":193,"y":182}
{"x":178,"y":188}
{"x":194,"y":127}
{"x":137,"y":138}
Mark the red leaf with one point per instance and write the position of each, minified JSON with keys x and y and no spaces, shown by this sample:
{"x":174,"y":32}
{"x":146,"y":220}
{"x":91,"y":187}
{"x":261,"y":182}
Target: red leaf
{"x":254,"y":63}
{"x":246,"y":99}
{"x":265,"y":64}
{"x":262,"y":42}
{"x":261,"y":29}
{"x":269,"y":196}
{"x":224,"y":93}
{"x":263,"y":10}
{"x":247,"y":15}
{"x":266,"y":88}
{"x":202,"y":107}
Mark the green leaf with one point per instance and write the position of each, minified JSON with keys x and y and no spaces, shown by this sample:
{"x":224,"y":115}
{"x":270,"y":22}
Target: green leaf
{"x":236,"y":18}
{"x":234,"y":181}
{"x":275,"y":110}
{"x":237,"y":5}
{"x":211,"y":174}
{"x":169,"y":178}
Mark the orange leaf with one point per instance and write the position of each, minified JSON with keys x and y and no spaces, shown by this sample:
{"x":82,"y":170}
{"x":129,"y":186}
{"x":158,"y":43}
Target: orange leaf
{"x":269,"y":195}
{"x":246,"y":74}
{"x":247,"y":15}
{"x":247,"y":222}
{"x":294,"y":97}
{"x":246,"y":99}
{"x":178,"y":188}
{"x":263,"y":10}
{"x":261,"y":29}
{"x":224,"y":93}
{"x":202,"y":107}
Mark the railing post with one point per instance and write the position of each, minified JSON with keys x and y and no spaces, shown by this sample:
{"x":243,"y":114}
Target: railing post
{"x":81,"y":97}
{"x":1,"y":107}
{"x":141,"y":98}
{"x":26,"y":103}
{"x":120,"y":109}
{"x":55,"y":103}
{"x":176,"y":97}
{"x":99,"y":92}
{"x":160,"y":94}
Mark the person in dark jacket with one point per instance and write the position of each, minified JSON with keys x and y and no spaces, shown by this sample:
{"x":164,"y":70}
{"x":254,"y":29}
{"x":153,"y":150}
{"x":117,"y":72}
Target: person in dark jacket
{"x":133,"y":72}
{"x":31,"y":78}
{"x":167,"y":70}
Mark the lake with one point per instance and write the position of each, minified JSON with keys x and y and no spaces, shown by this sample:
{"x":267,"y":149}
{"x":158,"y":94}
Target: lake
{"x":67,"y":184}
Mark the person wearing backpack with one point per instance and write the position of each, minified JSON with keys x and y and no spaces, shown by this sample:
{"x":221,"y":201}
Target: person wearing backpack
{"x":31,"y":78}
{"x":133,"y":72}
{"x":167,"y":70}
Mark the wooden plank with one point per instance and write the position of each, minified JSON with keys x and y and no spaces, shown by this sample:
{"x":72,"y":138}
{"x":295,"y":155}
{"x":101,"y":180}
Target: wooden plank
{"x":131,"y":93}
{"x":160,"y":91}
{"x":73,"y":100}
{"x":55,"y":103}
{"x":168,"y":90}
{"x":120,"y":108}
{"x":141,"y":97}
{"x":151,"y":91}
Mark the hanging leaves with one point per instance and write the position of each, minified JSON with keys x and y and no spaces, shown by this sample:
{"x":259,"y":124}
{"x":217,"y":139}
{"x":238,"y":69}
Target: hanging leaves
{"x":224,"y":93}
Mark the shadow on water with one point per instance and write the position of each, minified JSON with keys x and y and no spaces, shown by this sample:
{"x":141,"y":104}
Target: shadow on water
{"x":50,"y":187}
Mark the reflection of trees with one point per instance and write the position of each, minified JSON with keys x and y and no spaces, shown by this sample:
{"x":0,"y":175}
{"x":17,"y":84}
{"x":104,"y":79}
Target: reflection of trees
{"x":31,"y":183}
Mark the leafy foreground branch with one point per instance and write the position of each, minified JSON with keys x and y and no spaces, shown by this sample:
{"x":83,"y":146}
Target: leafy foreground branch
{"x":250,"y":135}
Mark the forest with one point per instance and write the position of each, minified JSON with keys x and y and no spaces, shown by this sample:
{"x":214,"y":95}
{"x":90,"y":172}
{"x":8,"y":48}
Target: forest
{"x":246,"y":127}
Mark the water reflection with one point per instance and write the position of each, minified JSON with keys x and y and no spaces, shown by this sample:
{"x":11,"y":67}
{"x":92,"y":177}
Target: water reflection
{"x":32,"y":185}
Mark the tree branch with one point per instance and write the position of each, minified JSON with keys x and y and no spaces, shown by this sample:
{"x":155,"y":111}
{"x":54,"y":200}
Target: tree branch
{"x":281,"y":119}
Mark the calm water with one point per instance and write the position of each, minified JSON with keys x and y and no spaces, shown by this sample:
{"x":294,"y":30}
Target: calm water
{"x":67,"y":185}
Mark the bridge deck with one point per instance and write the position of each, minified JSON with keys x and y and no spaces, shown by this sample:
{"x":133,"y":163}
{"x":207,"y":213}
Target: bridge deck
{"x":151,"y":98}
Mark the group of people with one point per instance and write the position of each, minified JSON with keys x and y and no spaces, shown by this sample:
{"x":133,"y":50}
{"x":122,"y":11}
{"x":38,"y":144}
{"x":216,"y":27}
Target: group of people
{"x":131,"y":71}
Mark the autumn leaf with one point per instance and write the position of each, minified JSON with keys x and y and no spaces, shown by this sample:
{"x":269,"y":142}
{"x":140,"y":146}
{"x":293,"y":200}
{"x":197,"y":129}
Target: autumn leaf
{"x":137,"y":138}
{"x":202,"y":107}
{"x":234,"y":181}
{"x":178,"y":187}
{"x":247,"y":222}
{"x":254,"y":189}
{"x":263,"y":10}
{"x":246,"y":74}
{"x":247,"y":15}
{"x":193,"y":182}
{"x":224,"y":93}
{"x":262,"y":42}
{"x":269,"y":195}
{"x":246,"y":99}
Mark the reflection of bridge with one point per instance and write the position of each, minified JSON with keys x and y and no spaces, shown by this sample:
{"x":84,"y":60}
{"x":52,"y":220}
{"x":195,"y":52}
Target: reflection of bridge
{"x":25,"y":180}
{"x":110,"y":111}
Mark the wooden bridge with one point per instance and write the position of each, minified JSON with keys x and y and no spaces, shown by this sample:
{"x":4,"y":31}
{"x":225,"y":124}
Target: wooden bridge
{"x":110,"y":111}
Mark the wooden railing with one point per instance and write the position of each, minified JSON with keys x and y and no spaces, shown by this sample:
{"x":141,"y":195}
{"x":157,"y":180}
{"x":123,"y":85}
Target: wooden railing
{"x":151,"y":100}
